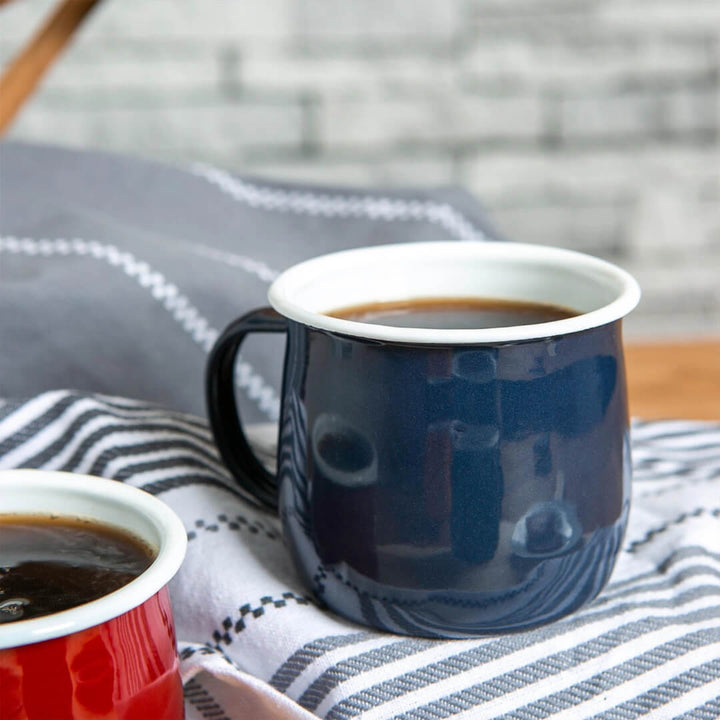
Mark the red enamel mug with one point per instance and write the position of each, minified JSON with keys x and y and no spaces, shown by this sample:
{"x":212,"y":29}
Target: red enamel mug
{"x":114,"y":658}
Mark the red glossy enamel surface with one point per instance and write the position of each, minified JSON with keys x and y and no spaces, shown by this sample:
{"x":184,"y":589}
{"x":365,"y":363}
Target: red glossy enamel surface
{"x":124,"y":669}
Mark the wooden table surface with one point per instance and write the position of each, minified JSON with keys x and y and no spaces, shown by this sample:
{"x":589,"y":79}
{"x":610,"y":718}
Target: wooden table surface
{"x":678,"y":379}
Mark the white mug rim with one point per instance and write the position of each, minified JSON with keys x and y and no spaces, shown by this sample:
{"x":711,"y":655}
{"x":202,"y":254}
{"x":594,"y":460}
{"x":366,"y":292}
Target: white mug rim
{"x":283,"y":292}
{"x":148,"y":509}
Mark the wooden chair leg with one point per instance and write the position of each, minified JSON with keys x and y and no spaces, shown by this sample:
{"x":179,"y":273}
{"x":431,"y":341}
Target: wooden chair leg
{"x":26,"y":70}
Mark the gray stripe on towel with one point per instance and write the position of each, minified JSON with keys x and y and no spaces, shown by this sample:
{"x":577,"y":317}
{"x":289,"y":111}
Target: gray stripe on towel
{"x":357,"y":665}
{"x":472,"y":697}
{"x":671,"y":689}
{"x":462,"y":662}
{"x":301,"y":659}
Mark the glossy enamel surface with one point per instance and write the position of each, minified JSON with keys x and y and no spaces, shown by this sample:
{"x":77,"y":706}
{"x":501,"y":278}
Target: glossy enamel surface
{"x":454,"y":491}
{"x":444,"y":482}
{"x":125,"y":669}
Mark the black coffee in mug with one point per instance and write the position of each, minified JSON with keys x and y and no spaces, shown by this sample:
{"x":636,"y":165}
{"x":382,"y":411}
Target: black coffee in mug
{"x":50,"y":563}
{"x":454,"y":313}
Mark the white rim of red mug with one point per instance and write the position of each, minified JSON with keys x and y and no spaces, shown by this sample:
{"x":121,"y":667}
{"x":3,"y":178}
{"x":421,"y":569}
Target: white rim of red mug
{"x":105,"y":501}
{"x":597,"y":290}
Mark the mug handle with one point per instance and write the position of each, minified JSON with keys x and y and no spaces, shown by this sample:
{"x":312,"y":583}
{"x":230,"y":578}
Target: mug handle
{"x":223,"y":412}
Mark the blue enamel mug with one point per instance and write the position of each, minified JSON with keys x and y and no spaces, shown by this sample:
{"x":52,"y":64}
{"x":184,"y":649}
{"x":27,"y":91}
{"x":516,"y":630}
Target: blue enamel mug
{"x":443,"y":482}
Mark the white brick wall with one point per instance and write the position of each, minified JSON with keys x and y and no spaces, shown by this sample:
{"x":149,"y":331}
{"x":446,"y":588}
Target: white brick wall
{"x":336,"y":23}
{"x":592,"y":124}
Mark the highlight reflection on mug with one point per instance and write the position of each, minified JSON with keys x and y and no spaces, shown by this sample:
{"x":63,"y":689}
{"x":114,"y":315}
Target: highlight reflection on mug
{"x":344,"y":478}
{"x":342,"y":453}
{"x":548,"y":529}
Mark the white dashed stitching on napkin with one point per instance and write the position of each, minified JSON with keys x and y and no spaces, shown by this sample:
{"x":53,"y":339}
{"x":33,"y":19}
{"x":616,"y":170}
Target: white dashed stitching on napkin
{"x":322,"y":204}
{"x":165,"y":292}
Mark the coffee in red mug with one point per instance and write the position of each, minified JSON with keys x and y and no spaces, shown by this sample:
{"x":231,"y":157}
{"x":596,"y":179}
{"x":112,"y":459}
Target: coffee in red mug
{"x":86,"y":626}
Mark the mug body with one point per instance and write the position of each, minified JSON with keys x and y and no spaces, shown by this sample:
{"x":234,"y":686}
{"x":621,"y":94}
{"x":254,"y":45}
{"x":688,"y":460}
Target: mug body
{"x":454,"y":482}
{"x":116,"y":656}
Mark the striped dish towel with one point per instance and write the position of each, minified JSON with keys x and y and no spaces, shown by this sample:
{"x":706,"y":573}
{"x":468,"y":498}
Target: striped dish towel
{"x":254,"y":644}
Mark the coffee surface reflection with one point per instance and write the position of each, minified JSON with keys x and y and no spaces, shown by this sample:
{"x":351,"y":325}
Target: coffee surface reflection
{"x":50,"y":563}
{"x":454,"y":313}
